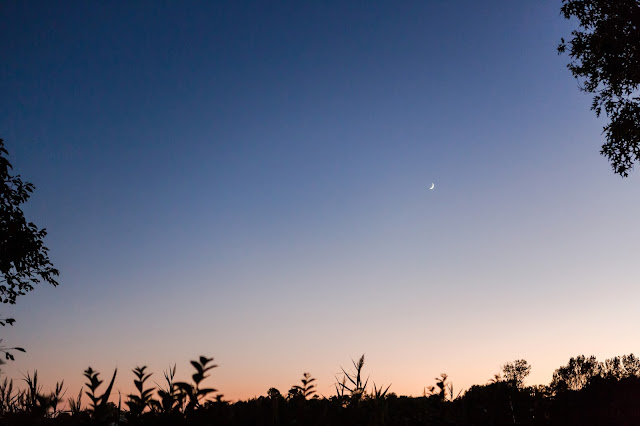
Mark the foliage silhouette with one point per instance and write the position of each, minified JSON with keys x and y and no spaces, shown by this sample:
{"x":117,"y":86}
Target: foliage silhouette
{"x":379,"y":393}
{"x":276,"y":402}
{"x":515,"y":372}
{"x":8,"y":403}
{"x":7,"y":351}
{"x":56,"y":397}
{"x":274,"y":393}
{"x":576,"y":374}
{"x":609,"y":396}
{"x":441,"y":389}
{"x":24,"y":260}
{"x":307,"y":389}
{"x":441,"y":384}
{"x":99,"y":408}
{"x":138,"y":403}
{"x":169,"y":397}
{"x":353,"y":383}
{"x":75,"y":404}
{"x":193,"y":393}
{"x":605,"y":58}
{"x":34,"y":400}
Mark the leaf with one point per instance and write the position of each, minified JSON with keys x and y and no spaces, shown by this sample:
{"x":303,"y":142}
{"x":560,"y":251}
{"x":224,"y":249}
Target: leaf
{"x":206,"y":391}
{"x":211,"y":367}
{"x":197,"y":366}
{"x":183,"y":386}
{"x":204,"y":360}
{"x":105,"y":396}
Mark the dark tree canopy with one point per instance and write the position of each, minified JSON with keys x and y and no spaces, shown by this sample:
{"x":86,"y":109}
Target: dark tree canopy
{"x":605,"y":58}
{"x":24,"y":259}
{"x":515,"y":372}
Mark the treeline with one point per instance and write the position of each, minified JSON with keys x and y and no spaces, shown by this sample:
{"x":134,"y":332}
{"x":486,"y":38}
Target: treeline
{"x":583,"y":392}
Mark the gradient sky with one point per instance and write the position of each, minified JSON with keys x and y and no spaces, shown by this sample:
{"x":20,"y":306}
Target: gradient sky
{"x":249,"y":181}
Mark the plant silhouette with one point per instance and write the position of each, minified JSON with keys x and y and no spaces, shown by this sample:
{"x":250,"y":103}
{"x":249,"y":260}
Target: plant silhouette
{"x":193,"y":393}
{"x":75,"y":404}
{"x":353,"y":382}
{"x":307,"y":389}
{"x":379,"y":393}
{"x":169,"y":397}
{"x":604,"y":54}
{"x":99,"y":404}
{"x":138,"y":403}
{"x":515,"y":372}
{"x":583,"y":392}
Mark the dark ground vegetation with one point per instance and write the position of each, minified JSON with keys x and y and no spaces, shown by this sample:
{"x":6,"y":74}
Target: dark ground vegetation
{"x":583,"y":392}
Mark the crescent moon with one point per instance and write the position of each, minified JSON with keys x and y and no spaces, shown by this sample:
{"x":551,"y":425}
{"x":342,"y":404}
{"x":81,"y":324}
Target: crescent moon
{"x":433,"y":185}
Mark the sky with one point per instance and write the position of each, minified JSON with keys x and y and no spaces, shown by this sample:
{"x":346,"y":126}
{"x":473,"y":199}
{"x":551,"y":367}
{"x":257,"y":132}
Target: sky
{"x":250,"y":181}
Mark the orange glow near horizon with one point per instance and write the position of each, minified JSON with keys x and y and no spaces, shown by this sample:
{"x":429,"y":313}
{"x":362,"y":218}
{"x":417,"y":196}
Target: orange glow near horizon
{"x":236,"y":382}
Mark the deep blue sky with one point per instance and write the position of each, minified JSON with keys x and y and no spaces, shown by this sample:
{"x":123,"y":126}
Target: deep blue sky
{"x":248,"y":180}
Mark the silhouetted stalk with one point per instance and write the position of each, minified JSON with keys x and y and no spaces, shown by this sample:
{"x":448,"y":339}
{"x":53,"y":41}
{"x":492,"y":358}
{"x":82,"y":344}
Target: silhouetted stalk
{"x":35,"y":401}
{"x":340,"y":391}
{"x":169,"y":397}
{"x":56,"y":397}
{"x":356,"y":387}
{"x":138,"y":403}
{"x":378,"y":393}
{"x":98,"y":407}
{"x":75,"y":405}
{"x":307,"y":389}
{"x":7,"y":398}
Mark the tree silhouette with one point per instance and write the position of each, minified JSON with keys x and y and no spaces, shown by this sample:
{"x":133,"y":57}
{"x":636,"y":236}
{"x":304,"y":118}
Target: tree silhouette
{"x":605,"y":58}
{"x":24,"y":259}
{"x":576,"y":374}
{"x":515,"y":372}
